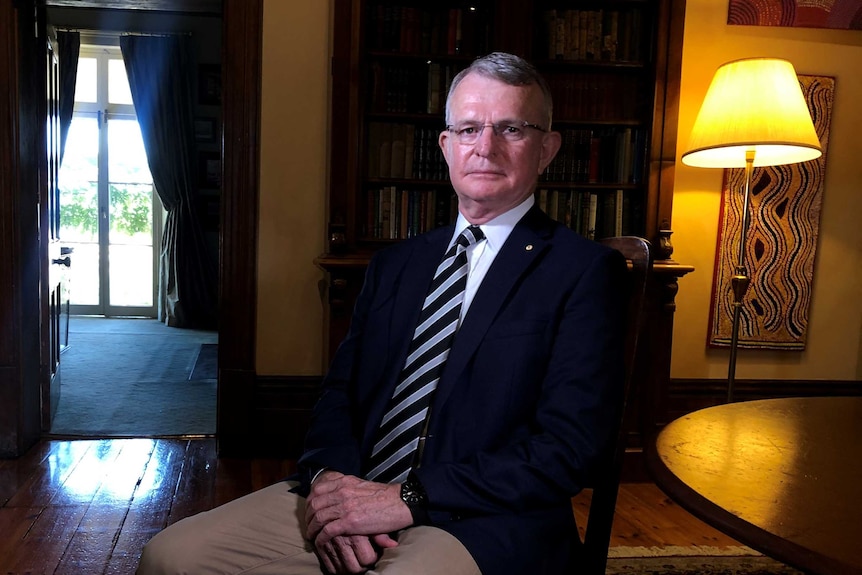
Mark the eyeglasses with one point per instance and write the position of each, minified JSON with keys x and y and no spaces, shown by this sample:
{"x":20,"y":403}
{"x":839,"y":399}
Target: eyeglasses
{"x":468,"y":133}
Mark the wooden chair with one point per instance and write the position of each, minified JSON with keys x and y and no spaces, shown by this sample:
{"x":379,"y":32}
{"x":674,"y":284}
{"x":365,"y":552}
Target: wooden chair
{"x":593,"y":555}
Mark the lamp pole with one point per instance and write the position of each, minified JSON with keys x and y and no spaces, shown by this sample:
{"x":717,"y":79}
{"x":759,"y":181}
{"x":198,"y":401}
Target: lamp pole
{"x":740,"y":279}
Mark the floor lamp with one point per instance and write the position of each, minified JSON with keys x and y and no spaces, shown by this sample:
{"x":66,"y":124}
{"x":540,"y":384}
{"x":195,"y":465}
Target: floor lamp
{"x":754,"y":115}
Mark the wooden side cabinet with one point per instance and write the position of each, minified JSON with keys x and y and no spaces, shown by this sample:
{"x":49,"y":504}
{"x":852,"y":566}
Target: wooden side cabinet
{"x":613,"y":67}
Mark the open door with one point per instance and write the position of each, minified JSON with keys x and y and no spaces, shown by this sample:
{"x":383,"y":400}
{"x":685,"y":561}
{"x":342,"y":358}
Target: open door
{"x":55,"y":262}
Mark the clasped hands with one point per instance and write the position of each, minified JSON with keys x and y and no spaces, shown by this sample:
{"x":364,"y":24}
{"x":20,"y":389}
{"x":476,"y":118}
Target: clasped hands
{"x":349,"y":520}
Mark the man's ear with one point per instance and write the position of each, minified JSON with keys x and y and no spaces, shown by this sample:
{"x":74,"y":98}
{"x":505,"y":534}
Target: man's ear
{"x":443,"y":142}
{"x":551,"y":142}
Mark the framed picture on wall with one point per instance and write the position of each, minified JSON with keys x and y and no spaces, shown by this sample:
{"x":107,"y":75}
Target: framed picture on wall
{"x":209,"y":170}
{"x":205,"y":130}
{"x":844,"y":15}
{"x":209,"y":85}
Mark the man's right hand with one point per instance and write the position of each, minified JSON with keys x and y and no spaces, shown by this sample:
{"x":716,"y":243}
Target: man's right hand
{"x":350,"y":554}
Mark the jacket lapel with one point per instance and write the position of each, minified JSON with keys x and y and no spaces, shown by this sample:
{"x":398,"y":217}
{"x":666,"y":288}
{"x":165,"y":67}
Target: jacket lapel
{"x":526,"y":243}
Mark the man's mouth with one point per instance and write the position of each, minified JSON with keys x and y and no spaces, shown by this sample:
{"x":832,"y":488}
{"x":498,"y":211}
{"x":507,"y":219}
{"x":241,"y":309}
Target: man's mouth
{"x":485,"y":173}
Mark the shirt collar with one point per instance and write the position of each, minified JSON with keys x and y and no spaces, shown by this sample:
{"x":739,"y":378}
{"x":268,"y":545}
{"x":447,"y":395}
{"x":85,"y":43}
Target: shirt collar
{"x":497,"y":230}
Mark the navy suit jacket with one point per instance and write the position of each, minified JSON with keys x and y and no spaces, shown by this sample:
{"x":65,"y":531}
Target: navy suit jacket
{"x":527,"y":398}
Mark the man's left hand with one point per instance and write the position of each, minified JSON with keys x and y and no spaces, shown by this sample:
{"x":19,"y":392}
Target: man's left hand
{"x":347,"y":505}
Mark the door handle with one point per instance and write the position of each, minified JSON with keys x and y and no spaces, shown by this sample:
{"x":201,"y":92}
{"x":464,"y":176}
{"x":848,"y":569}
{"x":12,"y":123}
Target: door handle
{"x":66,"y":261}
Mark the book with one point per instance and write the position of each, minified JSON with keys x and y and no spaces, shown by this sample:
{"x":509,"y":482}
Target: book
{"x":618,"y":212}
{"x":399,"y":149}
{"x":434,"y":92}
{"x":375,"y":132}
{"x":410,"y":142}
{"x":385,"y":151}
{"x":592,"y":214}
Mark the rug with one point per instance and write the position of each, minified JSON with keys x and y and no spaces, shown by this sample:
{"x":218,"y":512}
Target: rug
{"x":132,"y":380}
{"x":781,"y":244}
{"x":206,"y":364}
{"x":675,"y":560}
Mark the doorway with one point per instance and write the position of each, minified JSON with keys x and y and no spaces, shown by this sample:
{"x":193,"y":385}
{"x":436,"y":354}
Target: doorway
{"x":110,"y":217}
{"x":112,"y":221}
{"x":21,"y":419}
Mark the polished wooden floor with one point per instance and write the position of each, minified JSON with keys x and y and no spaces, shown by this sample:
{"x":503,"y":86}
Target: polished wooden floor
{"x":87,"y":507}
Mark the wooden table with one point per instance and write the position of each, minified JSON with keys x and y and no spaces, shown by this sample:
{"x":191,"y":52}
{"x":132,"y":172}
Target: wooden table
{"x":783,"y":476}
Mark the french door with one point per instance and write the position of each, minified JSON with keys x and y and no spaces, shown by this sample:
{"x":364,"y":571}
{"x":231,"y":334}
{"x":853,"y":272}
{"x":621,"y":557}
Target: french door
{"x":110,"y":216}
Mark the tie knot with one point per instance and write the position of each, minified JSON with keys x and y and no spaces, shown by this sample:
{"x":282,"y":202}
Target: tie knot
{"x":470,"y":236}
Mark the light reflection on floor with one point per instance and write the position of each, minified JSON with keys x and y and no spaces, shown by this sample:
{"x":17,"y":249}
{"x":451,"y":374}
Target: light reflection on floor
{"x":88,"y":470}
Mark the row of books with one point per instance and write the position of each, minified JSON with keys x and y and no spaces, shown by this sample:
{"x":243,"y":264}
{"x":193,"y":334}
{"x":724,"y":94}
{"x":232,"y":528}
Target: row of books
{"x":599,"y":95}
{"x":606,"y":35}
{"x":610,"y":155}
{"x":427,"y":30}
{"x":593,"y":214}
{"x":394,"y":213}
{"x":420,"y":88}
{"x":398,"y":150}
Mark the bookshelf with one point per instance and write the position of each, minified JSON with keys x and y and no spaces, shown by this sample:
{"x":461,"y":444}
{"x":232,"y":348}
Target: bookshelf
{"x":613,"y":67}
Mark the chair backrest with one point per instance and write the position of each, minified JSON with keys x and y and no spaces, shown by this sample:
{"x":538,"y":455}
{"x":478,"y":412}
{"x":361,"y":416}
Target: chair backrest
{"x":594,"y":553}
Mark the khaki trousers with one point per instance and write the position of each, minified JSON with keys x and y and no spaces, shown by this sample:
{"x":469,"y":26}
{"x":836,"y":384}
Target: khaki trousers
{"x":263,"y":534}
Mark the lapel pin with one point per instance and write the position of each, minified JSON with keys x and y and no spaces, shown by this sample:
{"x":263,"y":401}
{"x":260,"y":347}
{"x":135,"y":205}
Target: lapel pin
{"x":529,"y":247}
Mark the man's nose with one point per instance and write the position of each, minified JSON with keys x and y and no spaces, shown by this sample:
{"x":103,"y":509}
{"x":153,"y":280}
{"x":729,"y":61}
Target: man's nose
{"x":487,"y":141}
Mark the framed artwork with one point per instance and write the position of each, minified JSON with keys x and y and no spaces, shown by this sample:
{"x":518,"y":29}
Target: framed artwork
{"x":205,"y":130}
{"x":781,"y":243}
{"x":209,"y":170}
{"x":209,"y":85}
{"x":840,"y":14}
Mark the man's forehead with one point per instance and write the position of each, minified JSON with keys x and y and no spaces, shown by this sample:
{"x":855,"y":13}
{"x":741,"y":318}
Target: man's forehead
{"x":477,"y":91}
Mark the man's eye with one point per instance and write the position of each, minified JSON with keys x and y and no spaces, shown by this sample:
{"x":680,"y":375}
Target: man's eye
{"x":467,"y":130}
{"x":511,"y":130}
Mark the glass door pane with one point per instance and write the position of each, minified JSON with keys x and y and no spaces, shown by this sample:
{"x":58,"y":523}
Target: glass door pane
{"x":79,"y":211}
{"x":130,"y":236}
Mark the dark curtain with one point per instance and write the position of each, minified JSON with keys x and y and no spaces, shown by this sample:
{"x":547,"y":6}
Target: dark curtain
{"x":68,"y":46}
{"x":160,"y":72}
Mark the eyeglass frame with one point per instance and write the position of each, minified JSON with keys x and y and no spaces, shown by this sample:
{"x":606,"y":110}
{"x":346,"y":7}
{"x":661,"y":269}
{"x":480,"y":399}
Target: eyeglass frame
{"x":497,"y":129}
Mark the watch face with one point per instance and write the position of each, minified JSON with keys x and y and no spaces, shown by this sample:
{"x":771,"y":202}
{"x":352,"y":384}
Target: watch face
{"x":411,"y":495}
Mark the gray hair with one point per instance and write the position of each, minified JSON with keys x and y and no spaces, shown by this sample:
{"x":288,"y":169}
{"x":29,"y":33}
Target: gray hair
{"x":509,"y":69}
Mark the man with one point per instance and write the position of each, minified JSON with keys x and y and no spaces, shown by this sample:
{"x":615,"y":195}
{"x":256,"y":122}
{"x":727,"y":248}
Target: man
{"x":456,"y":421}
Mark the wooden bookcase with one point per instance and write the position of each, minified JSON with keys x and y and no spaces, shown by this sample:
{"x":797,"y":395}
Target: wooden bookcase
{"x":613,"y":67}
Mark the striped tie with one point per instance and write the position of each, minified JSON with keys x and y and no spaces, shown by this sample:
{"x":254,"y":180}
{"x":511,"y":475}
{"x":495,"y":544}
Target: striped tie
{"x":398,"y":436}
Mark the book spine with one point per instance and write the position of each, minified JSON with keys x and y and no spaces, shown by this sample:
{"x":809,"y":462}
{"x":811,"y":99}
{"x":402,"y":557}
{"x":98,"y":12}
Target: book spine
{"x":399,"y":149}
{"x":618,"y":213}
{"x":592,"y":214}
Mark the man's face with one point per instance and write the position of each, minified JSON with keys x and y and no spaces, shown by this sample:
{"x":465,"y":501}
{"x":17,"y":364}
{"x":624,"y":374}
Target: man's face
{"x":493,"y":174}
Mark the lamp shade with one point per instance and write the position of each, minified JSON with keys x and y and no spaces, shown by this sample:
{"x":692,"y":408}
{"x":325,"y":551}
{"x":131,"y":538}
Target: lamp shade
{"x":756,"y":105}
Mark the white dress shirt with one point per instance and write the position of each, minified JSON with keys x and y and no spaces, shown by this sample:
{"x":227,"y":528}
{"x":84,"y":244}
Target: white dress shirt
{"x":481,"y":255}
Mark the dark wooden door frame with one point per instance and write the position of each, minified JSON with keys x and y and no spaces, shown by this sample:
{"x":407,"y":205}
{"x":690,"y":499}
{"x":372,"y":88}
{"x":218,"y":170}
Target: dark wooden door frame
{"x":241,"y":101}
{"x":23,"y":165}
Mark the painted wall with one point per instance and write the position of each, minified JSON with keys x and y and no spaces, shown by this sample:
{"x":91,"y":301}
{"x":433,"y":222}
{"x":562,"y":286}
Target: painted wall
{"x":293,"y":176}
{"x":834,"y":342}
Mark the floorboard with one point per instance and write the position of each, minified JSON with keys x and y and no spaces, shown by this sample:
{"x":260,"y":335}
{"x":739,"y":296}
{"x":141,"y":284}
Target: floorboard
{"x":89,"y":506}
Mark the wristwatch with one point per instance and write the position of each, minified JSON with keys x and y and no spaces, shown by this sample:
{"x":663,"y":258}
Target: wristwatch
{"x":412,"y":492}
{"x":414,"y":496}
